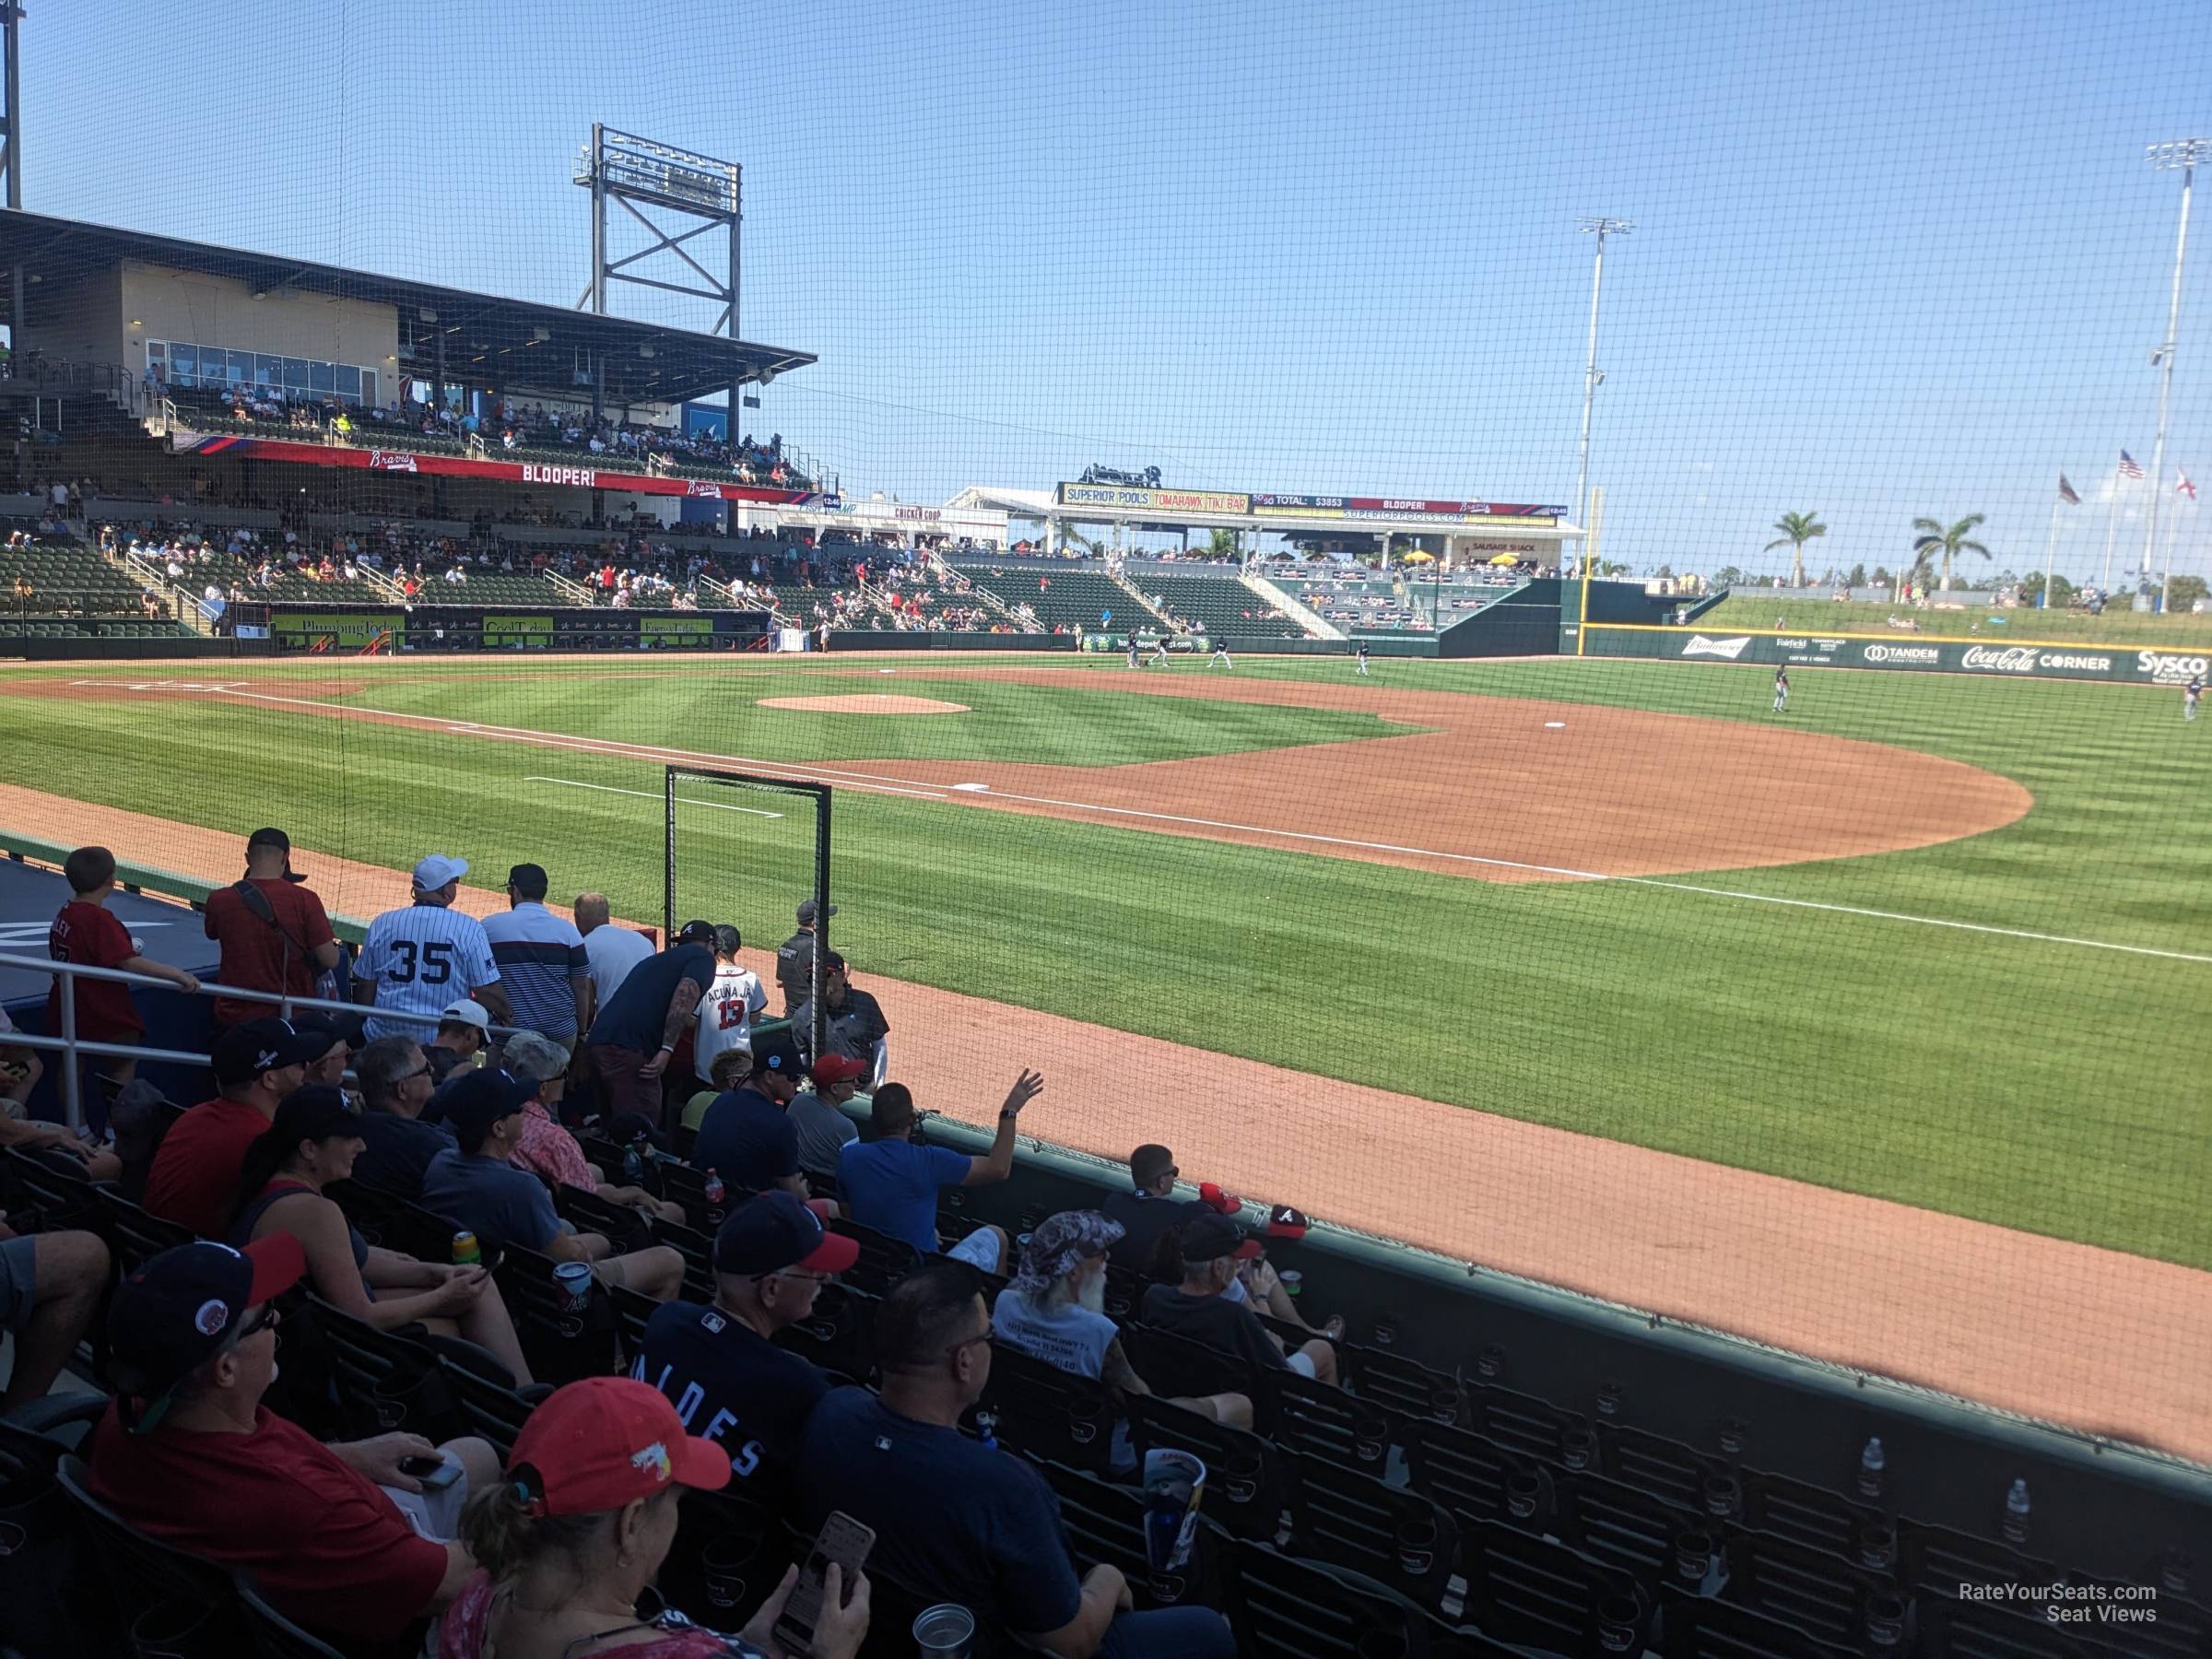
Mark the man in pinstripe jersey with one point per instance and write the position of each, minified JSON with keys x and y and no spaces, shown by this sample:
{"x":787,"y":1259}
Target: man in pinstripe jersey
{"x":418,"y":959}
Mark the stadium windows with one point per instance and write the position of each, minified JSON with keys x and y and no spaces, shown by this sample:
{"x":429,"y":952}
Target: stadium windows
{"x":323,"y":377}
{"x":186,"y":365}
{"x":295,"y":373}
{"x":242,"y":368}
{"x":349,"y":382}
{"x":268,"y":371}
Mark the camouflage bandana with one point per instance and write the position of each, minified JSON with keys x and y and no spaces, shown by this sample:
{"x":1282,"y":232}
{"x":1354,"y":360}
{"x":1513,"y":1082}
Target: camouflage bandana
{"x":1059,"y":1243}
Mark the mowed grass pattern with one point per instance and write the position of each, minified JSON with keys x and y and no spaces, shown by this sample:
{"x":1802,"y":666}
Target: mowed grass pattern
{"x":2039,"y":1085}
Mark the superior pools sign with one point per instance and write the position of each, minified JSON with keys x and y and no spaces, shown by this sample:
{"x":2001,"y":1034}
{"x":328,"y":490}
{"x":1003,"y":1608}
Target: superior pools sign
{"x":2035,"y":660}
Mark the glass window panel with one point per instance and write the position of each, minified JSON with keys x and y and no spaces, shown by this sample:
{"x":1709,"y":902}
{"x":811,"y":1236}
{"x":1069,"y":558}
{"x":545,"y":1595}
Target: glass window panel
{"x":369,"y":387}
{"x":349,"y":382}
{"x":241,"y":366}
{"x":268,"y":371}
{"x":323,"y":377}
{"x":295,"y":372}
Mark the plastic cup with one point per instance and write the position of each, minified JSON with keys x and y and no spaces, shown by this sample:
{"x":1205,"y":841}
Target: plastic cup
{"x":575,"y":1281}
{"x":944,"y":1632}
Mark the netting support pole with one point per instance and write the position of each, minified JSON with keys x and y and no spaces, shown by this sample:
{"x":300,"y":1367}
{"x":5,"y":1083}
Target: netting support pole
{"x":821,"y":922}
{"x":668,"y":857}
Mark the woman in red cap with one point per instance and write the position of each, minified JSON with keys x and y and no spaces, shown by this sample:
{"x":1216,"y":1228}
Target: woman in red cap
{"x":570,"y":1540}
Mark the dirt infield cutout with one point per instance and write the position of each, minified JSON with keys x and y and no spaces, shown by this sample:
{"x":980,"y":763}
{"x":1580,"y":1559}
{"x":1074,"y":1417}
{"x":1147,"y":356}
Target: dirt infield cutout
{"x":864,"y":702}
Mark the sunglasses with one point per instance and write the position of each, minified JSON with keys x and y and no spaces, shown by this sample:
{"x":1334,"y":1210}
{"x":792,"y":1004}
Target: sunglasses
{"x":266,"y":1319}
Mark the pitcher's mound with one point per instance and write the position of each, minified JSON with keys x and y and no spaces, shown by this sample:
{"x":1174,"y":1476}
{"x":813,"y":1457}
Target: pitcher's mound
{"x":865,"y":702}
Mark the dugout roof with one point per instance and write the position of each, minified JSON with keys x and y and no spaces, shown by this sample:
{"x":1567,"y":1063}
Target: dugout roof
{"x":488,"y":338}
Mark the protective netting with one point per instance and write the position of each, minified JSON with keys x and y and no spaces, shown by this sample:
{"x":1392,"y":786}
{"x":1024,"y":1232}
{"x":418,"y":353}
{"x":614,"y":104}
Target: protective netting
{"x":1870,"y":1024}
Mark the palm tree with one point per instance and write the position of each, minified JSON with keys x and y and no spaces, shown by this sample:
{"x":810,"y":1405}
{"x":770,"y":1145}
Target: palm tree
{"x":1797,"y":528}
{"x":1948,"y":540}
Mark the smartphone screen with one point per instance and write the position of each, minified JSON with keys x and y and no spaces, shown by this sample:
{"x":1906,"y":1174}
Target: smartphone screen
{"x":842,"y":1540}
{"x":433,"y":1472}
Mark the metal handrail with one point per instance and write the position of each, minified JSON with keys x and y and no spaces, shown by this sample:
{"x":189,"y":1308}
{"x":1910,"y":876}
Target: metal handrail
{"x":70,"y":1045}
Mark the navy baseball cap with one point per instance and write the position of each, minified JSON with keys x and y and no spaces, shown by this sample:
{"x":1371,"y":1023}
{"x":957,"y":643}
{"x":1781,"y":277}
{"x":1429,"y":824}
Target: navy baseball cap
{"x":247,"y":1050}
{"x":774,"y":1230}
{"x":777,"y":1052}
{"x":808,"y":912}
{"x":182,"y":1308}
{"x":1210,"y":1237}
{"x":477,"y":1099}
{"x":696,"y":933}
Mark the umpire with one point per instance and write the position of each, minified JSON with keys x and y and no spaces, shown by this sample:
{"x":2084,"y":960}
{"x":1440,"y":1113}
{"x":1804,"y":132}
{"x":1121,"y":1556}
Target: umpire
{"x":795,"y":960}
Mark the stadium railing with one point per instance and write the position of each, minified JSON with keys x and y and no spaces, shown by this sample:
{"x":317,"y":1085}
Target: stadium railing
{"x":72,"y":1047}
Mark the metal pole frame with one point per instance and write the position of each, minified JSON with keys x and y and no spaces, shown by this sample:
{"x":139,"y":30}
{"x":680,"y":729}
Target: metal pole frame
{"x":820,"y":793}
{"x":2051,"y":552}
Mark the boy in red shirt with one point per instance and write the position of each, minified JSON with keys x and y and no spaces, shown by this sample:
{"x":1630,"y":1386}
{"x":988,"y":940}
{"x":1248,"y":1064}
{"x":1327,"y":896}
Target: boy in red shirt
{"x":84,"y":934}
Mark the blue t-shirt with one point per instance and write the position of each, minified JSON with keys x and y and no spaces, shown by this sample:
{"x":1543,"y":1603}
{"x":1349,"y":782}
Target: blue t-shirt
{"x":499,"y":1203}
{"x":731,"y":1385}
{"x":891,"y":1185}
{"x":974,"y":1525}
{"x":747,"y":1139}
{"x":637,"y":1013}
{"x":396,"y":1150}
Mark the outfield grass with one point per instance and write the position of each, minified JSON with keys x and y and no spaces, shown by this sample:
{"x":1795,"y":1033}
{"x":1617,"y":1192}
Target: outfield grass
{"x":2117,"y":625}
{"x":2037,"y":1084}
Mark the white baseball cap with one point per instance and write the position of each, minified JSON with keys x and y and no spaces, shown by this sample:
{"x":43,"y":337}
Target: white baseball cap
{"x":469,"y":1012}
{"x":436,"y":870}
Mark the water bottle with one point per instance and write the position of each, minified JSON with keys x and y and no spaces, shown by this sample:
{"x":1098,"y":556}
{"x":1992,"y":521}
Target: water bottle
{"x":1870,"y":1469}
{"x":714,"y":1187}
{"x":633,"y":1166}
{"x":986,"y":1427}
{"x":465,"y":1254}
{"x":2015,"y":1513}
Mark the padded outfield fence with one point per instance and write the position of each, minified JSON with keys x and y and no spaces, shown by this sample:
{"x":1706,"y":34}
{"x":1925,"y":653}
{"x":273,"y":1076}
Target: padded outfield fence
{"x":1909,"y":652}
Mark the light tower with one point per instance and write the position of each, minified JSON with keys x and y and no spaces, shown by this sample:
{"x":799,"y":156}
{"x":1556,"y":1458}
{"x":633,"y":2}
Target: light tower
{"x":2183,"y":154}
{"x":1592,"y":378}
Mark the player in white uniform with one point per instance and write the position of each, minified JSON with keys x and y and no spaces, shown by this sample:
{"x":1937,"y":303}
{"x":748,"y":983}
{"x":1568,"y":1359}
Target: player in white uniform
{"x":422,"y":958}
{"x":2190,"y":694}
{"x":733,"y":1002}
{"x":1220,"y":654}
{"x":1361,"y":656}
{"x":1782,"y":691}
{"x":1160,"y":651}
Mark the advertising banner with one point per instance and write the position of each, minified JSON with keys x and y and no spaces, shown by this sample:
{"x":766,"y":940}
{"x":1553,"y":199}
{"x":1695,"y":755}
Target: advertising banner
{"x":2033,"y":659}
{"x":482,"y":627}
{"x":1153,"y":501}
{"x":558,"y":475}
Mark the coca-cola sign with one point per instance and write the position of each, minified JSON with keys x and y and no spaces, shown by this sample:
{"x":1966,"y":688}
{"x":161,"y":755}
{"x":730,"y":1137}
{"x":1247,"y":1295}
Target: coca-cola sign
{"x":2028,"y":659}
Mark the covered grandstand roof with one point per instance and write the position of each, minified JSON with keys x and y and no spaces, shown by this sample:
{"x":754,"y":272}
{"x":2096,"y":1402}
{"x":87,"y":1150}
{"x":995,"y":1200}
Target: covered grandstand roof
{"x":496,"y":339}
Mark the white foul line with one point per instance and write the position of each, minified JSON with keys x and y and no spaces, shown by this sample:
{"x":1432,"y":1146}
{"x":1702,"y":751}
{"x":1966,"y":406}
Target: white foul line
{"x":650,"y":795}
{"x":876,"y":784}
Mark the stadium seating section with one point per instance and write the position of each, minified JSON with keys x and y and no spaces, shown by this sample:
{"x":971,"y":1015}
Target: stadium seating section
{"x":1214,"y":603}
{"x":1413,"y":1510}
{"x":1072,"y":597}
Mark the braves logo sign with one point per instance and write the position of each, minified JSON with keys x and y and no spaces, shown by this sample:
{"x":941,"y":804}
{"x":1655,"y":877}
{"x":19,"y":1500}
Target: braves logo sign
{"x":392,"y":461}
{"x":712,"y":491}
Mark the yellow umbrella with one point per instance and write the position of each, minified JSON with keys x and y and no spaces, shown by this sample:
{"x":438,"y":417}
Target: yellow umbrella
{"x":1419,"y":557}
{"x":1506,"y":559}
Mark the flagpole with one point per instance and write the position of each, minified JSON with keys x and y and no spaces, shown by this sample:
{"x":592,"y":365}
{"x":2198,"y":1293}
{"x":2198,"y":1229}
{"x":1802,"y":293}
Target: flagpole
{"x":2173,"y":523}
{"x":2111,"y":525}
{"x":2050,"y":551}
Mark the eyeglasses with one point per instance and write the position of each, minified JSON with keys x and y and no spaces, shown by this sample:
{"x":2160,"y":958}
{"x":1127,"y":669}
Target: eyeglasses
{"x":266,"y":1319}
{"x":794,"y":1273}
{"x":421,"y":1071}
{"x":966,"y":1342}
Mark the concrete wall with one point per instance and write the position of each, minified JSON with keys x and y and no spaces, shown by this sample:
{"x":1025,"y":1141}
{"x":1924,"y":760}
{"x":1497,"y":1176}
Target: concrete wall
{"x":219,"y":311}
{"x":80,"y":321}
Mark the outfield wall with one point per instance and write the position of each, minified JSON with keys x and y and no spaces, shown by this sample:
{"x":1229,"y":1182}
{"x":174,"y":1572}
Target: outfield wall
{"x":464,"y":627}
{"x":1925,"y":653}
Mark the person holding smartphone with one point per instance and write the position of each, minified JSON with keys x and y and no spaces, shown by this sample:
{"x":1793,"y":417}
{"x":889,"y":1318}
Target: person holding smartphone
{"x":570,"y":1540}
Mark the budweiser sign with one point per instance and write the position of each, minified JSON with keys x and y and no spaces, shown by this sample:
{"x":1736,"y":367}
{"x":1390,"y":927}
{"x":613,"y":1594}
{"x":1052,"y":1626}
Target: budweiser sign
{"x":392,"y":461}
{"x":1730,"y":648}
{"x":575,"y":477}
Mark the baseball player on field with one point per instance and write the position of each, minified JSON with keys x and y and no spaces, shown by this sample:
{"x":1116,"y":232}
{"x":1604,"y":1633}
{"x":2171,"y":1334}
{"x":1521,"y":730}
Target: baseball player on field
{"x":1131,"y":643}
{"x":1220,"y":654}
{"x":1781,"y":690}
{"x":1160,"y":651}
{"x":1359,"y":659}
{"x":419,"y":959}
{"x":2190,"y":693}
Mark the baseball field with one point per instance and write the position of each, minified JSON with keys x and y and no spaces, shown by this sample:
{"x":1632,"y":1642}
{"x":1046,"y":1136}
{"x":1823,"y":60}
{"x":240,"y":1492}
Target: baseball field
{"x":1936,"y":942}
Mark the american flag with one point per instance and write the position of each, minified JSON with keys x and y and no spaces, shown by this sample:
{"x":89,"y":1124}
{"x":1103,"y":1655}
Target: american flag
{"x":2065,"y":491}
{"x":2185,"y":487}
{"x":2128,"y":469}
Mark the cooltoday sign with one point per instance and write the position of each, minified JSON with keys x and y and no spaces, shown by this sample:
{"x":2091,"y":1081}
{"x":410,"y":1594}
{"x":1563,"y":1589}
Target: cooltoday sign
{"x":2036,"y":660}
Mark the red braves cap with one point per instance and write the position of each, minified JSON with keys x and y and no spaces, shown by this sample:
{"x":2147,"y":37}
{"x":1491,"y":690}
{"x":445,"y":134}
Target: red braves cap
{"x":837,"y":1068}
{"x":1219,"y":1198}
{"x":602,"y":1442}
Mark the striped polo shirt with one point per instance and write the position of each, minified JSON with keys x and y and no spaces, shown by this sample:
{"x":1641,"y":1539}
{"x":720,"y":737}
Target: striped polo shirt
{"x":541,"y":958}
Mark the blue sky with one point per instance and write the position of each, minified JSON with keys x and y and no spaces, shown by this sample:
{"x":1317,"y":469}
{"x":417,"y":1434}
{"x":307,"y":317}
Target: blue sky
{"x":1890,"y":258}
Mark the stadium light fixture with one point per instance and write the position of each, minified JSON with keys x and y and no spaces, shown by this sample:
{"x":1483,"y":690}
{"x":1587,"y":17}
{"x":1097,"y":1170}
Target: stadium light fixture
{"x":1601,"y":228}
{"x":2179,"y":155}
